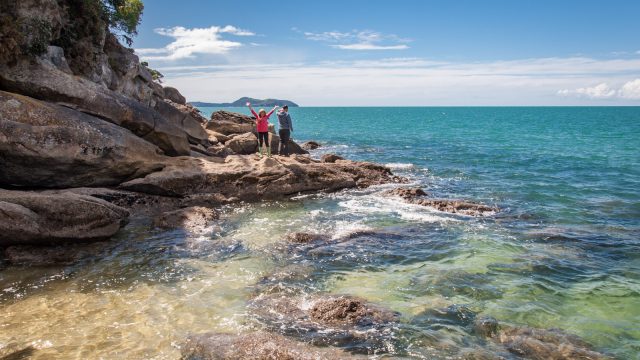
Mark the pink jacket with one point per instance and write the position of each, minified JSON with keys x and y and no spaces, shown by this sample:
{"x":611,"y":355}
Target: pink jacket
{"x":262,"y":123}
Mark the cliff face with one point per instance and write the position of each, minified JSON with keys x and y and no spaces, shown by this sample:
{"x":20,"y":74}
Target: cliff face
{"x":78,"y":110}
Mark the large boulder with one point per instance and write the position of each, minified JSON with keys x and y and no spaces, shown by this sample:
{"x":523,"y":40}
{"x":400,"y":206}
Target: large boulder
{"x":228,"y":123}
{"x":30,"y":218}
{"x":246,"y":178}
{"x":174,"y":95}
{"x":181,"y":116}
{"x":294,"y":148}
{"x":244,"y":144}
{"x":47,"y":145}
{"x":44,"y":81}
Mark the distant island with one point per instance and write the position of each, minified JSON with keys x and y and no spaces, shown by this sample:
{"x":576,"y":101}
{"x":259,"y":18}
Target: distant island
{"x":243,"y":100}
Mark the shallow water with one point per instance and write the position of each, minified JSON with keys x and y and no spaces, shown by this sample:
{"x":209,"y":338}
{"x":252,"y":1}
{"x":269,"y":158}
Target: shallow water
{"x":563,"y":251}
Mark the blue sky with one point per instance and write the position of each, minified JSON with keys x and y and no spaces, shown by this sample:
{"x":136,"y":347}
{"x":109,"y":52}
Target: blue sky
{"x":398,"y":52}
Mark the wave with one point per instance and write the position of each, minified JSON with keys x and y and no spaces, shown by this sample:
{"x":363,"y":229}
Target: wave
{"x":400,"y":166}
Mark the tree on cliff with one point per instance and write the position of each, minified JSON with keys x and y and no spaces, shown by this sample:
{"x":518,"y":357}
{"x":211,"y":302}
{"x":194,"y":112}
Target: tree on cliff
{"x":78,"y":26}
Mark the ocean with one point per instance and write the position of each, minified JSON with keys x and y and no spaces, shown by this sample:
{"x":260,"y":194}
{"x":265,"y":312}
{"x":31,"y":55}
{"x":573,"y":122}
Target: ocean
{"x":562,"y":252}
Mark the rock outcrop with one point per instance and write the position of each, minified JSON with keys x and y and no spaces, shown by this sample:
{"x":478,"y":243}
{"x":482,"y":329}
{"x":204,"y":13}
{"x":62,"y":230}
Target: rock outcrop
{"x":417,"y":196}
{"x":245,"y":178}
{"x":30,"y":218}
{"x":50,"y":146}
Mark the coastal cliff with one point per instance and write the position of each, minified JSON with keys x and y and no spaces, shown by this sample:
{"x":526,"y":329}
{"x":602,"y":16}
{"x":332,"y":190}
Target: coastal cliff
{"x":79,"y":110}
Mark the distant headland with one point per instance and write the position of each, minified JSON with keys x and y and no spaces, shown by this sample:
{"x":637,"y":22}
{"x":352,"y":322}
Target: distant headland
{"x":243,"y":100}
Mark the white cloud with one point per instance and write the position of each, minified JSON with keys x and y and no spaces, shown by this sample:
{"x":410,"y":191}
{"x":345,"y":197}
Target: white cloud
{"x":359,"y":40}
{"x":188,"y":42}
{"x":365,"y":46}
{"x":600,"y":91}
{"x":409,"y":81}
{"x":630,"y":90}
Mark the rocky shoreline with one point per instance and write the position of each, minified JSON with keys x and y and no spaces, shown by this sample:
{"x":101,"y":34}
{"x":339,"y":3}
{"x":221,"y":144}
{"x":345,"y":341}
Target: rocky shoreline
{"x":83,"y":150}
{"x":85,"y":147}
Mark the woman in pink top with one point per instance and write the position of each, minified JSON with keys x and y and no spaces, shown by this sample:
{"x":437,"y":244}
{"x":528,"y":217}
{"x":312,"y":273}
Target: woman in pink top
{"x":262,"y":125}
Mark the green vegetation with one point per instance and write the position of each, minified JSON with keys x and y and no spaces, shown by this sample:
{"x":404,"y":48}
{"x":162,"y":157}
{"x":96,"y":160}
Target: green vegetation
{"x":123,"y":16}
{"x":155,"y":74}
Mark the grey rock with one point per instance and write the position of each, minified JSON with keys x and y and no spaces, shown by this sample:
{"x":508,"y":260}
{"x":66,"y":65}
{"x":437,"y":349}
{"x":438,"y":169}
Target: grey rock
{"x":29,"y":218}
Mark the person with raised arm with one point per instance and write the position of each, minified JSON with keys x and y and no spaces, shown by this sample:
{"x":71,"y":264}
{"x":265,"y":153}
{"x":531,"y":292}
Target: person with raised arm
{"x":262,"y":125}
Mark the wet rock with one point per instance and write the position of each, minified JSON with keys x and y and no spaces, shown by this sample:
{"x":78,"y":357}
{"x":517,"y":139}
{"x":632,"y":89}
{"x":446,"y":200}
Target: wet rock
{"x":244,"y":144}
{"x":192,"y":219}
{"x":310,"y":145}
{"x":416,"y":196}
{"x":330,"y":158}
{"x":47,"y":145}
{"x":344,"y":321}
{"x":541,"y":344}
{"x":304,"y":238}
{"x":407,"y":193}
{"x":174,"y":95}
{"x":486,"y":327}
{"x":247,"y":178}
{"x":347,"y":310}
{"x":29,"y":218}
{"x":257,"y":345}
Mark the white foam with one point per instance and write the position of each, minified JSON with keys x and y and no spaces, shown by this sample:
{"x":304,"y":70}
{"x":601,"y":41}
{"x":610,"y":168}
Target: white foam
{"x":376,"y":204}
{"x":400,"y":166}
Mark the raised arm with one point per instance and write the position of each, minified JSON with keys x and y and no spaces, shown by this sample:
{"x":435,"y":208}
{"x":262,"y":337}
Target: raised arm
{"x":272,"y":110}
{"x":253,"y":112}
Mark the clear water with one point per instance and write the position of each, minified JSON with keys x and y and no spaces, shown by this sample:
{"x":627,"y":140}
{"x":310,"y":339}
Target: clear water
{"x":564,"y":251}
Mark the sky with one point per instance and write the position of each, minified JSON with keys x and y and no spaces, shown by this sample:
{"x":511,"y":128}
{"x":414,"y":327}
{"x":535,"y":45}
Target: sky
{"x":397,"y":53}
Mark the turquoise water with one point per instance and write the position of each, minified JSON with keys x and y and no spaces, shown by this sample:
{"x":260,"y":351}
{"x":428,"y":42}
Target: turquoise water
{"x":563,"y":252}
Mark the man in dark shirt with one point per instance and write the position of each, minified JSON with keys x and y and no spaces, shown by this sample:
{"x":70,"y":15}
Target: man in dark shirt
{"x":286,"y":127}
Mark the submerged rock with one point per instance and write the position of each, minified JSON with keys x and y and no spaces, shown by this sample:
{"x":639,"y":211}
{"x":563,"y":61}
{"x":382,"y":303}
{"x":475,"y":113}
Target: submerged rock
{"x":30,"y":218}
{"x":256,"y":345}
{"x":192,"y":219}
{"x":416,"y":196}
{"x":26,"y":255}
{"x":345,"y":321}
{"x":304,"y":238}
{"x":538,"y":344}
